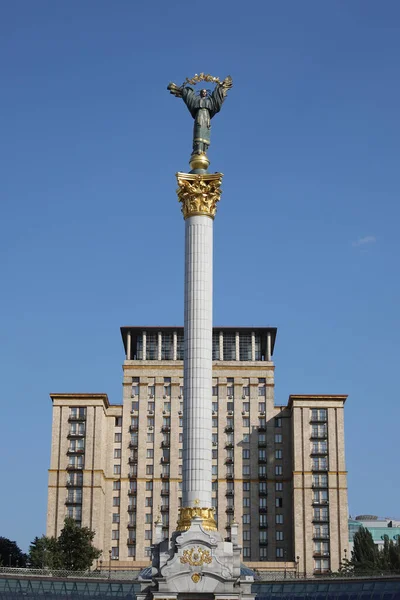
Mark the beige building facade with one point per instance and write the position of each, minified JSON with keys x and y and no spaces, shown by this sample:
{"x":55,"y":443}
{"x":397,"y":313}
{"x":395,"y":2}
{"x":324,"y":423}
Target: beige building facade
{"x":278,"y":471}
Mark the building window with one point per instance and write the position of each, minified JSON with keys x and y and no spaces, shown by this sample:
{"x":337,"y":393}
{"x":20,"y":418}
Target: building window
{"x":263,"y":553}
{"x":214,"y":438}
{"x":321,"y":565}
{"x":150,"y":437}
{"x":118,"y":421}
{"x":262,"y":454}
{"x":149,"y":469}
{"x":319,"y":415}
{"x":262,"y":487}
{"x":215,"y":422}
{"x":117,"y":437}
{"x":115,"y":534}
{"x":215,"y":346}
{"x":262,"y":502}
{"x":147,"y":534}
{"x":246,"y":519}
{"x":150,"y":421}
{"x":148,"y":501}
{"x":115,"y":518}
{"x":246,"y":470}
{"x":149,"y":453}
{"x":167,"y":346}
{"x":245,"y":453}
{"x":279,"y":536}
{"x":246,"y":535}
{"x":214,"y":406}
{"x":278,"y":486}
{"x":131,"y":551}
{"x":116,"y":485}
{"x":214,"y":486}
{"x":116,"y":501}
{"x":246,"y":502}
{"x":246,"y":486}
{"x":262,"y":470}
{"x":215,"y":390}
{"x":229,"y":346}
{"x":278,"y":422}
{"x":262,"y":536}
{"x":246,"y":392}
{"x":135,"y":406}
{"x":262,"y":519}
{"x":246,"y":406}
{"x":279,"y":519}
{"x":117,"y":452}
{"x":115,"y":553}
{"x":246,"y":552}
{"x":278,"y":454}
{"x":278,"y":470}
{"x":117,"y":469}
{"x":214,"y":469}
{"x":279,"y":502}
{"x":148,"y":518}
{"x":246,"y":422}
{"x":279,"y":553}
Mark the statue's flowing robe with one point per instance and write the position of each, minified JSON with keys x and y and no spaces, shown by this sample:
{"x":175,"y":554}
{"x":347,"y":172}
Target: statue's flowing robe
{"x":202,"y":111}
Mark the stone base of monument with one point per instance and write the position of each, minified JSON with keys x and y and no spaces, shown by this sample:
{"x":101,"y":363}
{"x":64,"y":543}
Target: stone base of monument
{"x":196,"y":562}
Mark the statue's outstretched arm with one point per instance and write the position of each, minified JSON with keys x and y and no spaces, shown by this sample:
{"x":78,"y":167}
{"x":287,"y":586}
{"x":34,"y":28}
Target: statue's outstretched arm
{"x":174,"y":89}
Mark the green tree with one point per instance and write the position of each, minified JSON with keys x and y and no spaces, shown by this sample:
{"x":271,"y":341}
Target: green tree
{"x":75,"y":546}
{"x":10,"y":554}
{"x":44,"y":553}
{"x":365,"y":555}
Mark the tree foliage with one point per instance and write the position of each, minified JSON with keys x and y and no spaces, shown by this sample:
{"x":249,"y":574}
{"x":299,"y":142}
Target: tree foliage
{"x":73,"y":550}
{"x":368,"y":558}
{"x":10,"y":554}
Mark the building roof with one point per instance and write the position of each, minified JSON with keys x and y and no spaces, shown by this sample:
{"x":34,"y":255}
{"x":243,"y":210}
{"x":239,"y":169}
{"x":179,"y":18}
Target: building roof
{"x":136,"y":329}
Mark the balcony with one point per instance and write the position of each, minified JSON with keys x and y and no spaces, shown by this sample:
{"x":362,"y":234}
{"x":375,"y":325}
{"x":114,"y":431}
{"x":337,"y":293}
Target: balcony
{"x":262,"y":476}
{"x":262,"y":493}
{"x":262,"y":428}
{"x":165,"y":444}
{"x":164,"y":460}
{"x":75,"y":467}
{"x":230,"y":509}
{"x":132,"y":475}
{"x":229,"y":493}
{"x":318,"y":419}
{"x":320,"y":535}
{"x":133,"y":428}
{"x":262,"y":443}
{"x":133,"y":444}
{"x":131,"y":525}
{"x":70,"y":484}
{"x":131,"y":541}
{"x":320,"y":484}
{"x":229,"y":460}
{"x":319,"y":435}
{"x":319,"y":467}
{"x":132,"y":460}
{"x":76,"y":434}
{"x":263,"y":542}
{"x":76,"y":451}
{"x":319,"y":451}
{"x":321,"y":571}
{"x":164,"y":476}
{"x":262,"y":509}
{"x":131,"y":508}
{"x":165,"y":428}
{"x":229,"y":445}
{"x":317,"y":502}
{"x":321,"y":554}
{"x":321,"y":519}
{"x":74,"y":418}
{"x":229,"y":476}
{"x":262,"y":459}
{"x":263,"y":526}
{"x":132,"y":492}
{"x":229,"y":429}
{"x":73,"y":501}
{"x":165,"y":508}
{"x":164,"y":492}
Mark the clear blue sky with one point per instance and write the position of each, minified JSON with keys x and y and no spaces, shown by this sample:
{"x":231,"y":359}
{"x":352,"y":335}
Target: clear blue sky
{"x":306,"y":236}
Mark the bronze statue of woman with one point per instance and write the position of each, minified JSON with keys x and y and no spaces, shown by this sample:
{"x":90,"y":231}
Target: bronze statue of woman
{"x":202,"y":107}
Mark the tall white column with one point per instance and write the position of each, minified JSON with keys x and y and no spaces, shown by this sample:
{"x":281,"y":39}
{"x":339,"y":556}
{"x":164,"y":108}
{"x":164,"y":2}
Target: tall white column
{"x":128,"y":346}
{"x":197,"y":428}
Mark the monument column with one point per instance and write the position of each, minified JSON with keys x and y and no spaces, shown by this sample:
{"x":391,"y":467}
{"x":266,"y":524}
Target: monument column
{"x":199,"y":193}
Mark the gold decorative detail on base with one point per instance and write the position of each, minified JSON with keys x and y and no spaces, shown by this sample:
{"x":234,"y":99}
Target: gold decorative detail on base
{"x":199,"y":194}
{"x":188,"y":513}
{"x":196,"y":558}
{"x":199,"y":161}
{"x":196,"y":577}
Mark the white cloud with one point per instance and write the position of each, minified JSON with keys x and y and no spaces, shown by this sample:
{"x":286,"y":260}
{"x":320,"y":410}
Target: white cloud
{"x":368,"y":239}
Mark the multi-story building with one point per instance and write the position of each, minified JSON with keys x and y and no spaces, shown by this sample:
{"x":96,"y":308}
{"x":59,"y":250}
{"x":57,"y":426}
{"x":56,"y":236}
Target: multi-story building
{"x":278,"y":471}
{"x":377,"y":526}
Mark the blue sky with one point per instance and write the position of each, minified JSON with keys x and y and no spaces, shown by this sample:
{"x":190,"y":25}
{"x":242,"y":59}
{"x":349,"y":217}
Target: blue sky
{"x":91,"y":235}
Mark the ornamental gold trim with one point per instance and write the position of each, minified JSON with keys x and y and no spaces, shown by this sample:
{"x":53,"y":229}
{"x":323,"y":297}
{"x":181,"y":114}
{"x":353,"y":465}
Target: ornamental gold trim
{"x":199,"y":193}
{"x":188,"y":513}
{"x":196,"y":577}
{"x":196,"y":557}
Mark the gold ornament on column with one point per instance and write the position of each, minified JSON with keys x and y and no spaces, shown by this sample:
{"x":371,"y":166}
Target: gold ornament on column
{"x":199,"y":193}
